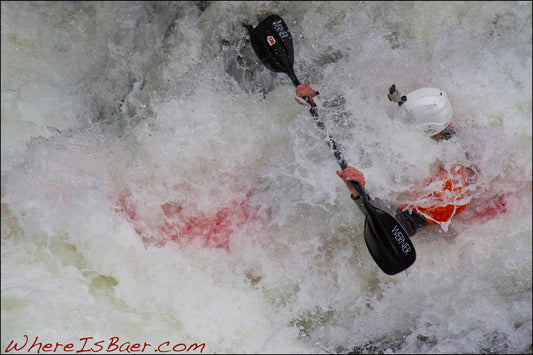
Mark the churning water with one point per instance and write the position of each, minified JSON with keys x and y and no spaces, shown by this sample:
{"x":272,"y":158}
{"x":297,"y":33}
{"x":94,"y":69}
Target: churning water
{"x":161,"y":187}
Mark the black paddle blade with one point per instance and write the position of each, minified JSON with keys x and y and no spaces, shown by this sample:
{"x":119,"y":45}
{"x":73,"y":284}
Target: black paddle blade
{"x":387,"y":242}
{"x":272,"y":42}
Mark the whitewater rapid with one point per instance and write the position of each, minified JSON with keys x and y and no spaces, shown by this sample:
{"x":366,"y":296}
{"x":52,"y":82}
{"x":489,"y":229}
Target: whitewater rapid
{"x":160,"y":186}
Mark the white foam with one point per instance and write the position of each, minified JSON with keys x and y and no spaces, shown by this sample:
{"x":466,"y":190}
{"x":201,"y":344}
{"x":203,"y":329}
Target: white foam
{"x":101,"y":100}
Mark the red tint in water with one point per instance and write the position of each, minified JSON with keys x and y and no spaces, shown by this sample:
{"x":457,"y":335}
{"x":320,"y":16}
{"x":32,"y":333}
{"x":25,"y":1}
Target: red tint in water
{"x":181,"y":225}
{"x":483,"y":210}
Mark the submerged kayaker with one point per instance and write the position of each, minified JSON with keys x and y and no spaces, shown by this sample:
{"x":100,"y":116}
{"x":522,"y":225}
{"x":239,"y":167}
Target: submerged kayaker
{"x":447,"y":193}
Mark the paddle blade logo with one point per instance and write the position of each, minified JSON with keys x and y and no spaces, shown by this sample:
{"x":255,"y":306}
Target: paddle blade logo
{"x":271,"y":41}
{"x":400,"y":238}
{"x":281,"y":29}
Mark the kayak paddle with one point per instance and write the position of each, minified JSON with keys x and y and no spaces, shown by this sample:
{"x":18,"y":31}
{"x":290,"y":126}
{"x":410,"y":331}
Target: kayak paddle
{"x":386,"y":240}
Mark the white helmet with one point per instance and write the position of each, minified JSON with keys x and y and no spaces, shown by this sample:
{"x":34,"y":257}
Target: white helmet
{"x":428,"y":109}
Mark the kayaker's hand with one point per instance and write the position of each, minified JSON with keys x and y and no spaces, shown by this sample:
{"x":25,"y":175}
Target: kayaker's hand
{"x":305,"y":90}
{"x":352,"y":174}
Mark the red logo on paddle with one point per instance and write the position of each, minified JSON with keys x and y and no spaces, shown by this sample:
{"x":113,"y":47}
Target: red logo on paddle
{"x":271,"y":40}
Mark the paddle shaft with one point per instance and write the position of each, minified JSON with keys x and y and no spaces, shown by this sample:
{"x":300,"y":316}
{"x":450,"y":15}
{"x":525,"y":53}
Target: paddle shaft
{"x":371,"y":211}
{"x":331,"y":142}
{"x":385,"y":238}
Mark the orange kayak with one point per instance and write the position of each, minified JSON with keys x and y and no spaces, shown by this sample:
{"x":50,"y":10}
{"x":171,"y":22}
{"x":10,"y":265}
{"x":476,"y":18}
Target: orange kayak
{"x":445,"y":195}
